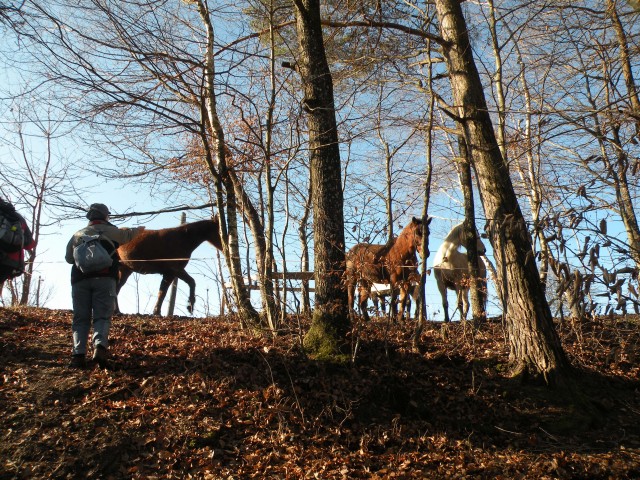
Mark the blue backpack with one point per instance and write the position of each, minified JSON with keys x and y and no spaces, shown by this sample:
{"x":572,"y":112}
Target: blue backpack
{"x":90,"y":255}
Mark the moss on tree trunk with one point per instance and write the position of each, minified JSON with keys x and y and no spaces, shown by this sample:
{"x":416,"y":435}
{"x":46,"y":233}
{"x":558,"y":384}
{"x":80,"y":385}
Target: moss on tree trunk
{"x":324,"y":341}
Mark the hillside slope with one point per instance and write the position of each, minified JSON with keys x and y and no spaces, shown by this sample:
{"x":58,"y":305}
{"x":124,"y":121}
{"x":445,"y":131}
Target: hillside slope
{"x":201,"y":398}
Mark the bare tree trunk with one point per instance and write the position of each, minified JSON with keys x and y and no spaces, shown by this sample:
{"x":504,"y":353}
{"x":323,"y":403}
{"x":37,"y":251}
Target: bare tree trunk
{"x":267,"y":265}
{"x":624,"y":198}
{"x":535,"y":348}
{"x":470,"y":234}
{"x":263,"y":258}
{"x":625,"y":62}
{"x":174,"y":285}
{"x":497,"y":81}
{"x":530,"y":175}
{"x":421,"y":314}
{"x":330,"y":324}
{"x":219,"y":169}
{"x":41,"y":186}
{"x":389,"y":190}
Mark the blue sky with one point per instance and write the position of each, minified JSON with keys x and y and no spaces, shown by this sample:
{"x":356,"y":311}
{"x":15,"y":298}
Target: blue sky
{"x":143,"y":195}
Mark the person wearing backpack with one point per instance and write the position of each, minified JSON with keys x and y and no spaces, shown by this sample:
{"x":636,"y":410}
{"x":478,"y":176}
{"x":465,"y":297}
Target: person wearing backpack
{"x":15,"y":238}
{"x":93,"y":282}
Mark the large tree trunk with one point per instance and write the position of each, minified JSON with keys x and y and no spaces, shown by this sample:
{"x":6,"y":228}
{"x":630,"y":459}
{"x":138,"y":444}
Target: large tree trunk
{"x":625,"y":61}
{"x":623,"y":195}
{"x":535,"y":345}
{"x":330,"y":325}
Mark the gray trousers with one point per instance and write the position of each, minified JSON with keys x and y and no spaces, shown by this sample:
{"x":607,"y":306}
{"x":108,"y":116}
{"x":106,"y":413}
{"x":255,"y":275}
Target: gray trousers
{"x":92,"y":297}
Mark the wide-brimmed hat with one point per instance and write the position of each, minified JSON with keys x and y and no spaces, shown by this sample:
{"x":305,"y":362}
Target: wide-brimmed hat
{"x":98,"y":211}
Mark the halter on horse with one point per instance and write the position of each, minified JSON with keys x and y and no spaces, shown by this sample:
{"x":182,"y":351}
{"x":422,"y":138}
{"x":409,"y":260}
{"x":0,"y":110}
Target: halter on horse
{"x":167,"y":252}
{"x":395,"y":263}
{"x":451,"y":270}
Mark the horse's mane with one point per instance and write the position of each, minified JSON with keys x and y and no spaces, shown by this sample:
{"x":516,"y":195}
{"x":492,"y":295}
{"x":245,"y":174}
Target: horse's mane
{"x":455,"y":234}
{"x":404,"y":239}
{"x":452,"y":242}
{"x":197,"y":225}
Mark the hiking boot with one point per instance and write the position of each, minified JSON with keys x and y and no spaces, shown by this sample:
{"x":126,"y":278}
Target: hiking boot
{"x":100,"y":356}
{"x":78,"y":361}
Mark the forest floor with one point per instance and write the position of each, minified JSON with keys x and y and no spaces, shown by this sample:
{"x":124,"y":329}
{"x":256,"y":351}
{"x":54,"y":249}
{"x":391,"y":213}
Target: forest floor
{"x":204,"y":399}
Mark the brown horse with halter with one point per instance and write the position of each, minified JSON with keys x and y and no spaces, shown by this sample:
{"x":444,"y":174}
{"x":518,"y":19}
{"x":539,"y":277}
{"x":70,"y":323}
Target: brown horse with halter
{"x":167,"y":252}
{"x":395,"y":263}
{"x":451,"y":270}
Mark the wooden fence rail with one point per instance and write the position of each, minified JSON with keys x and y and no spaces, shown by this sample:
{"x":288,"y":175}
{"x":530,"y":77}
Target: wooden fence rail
{"x":379,"y":288}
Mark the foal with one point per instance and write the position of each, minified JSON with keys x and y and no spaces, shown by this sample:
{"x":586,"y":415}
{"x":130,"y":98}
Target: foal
{"x":395,"y":263}
{"x":167,"y":252}
{"x":451,"y":270}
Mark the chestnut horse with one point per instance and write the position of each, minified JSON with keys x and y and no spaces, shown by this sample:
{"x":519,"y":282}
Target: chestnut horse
{"x":395,"y":263}
{"x":451,"y":270}
{"x":167,"y":252}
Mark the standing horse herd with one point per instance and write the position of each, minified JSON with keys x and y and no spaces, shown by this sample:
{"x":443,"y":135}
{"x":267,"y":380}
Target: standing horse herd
{"x":167,"y":252}
{"x":396,"y":264}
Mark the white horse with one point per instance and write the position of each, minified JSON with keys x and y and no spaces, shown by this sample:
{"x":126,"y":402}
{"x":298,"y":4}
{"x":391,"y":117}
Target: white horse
{"x":451,"y":270}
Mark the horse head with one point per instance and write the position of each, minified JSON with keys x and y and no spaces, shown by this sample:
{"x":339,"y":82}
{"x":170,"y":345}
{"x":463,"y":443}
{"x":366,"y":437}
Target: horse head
{"x":418,"y":226}
{"x":455,"y":239}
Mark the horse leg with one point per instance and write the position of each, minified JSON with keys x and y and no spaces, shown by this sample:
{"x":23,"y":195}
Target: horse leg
{"x":185,"y":277}
{"x":162,"y":292}
{"x":363,"y":297}
{"x":123,"y":275}
{"x":442,"y":288}
{"x":375,"y":298}
{"x":406,"y":307}
{"x":482,"y":293}
{"x":351,"y":290}
{"x":407,"y":302}
{"x":393,"y":302}
{"x":402,"y":299}
{"x":463,"y":303}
